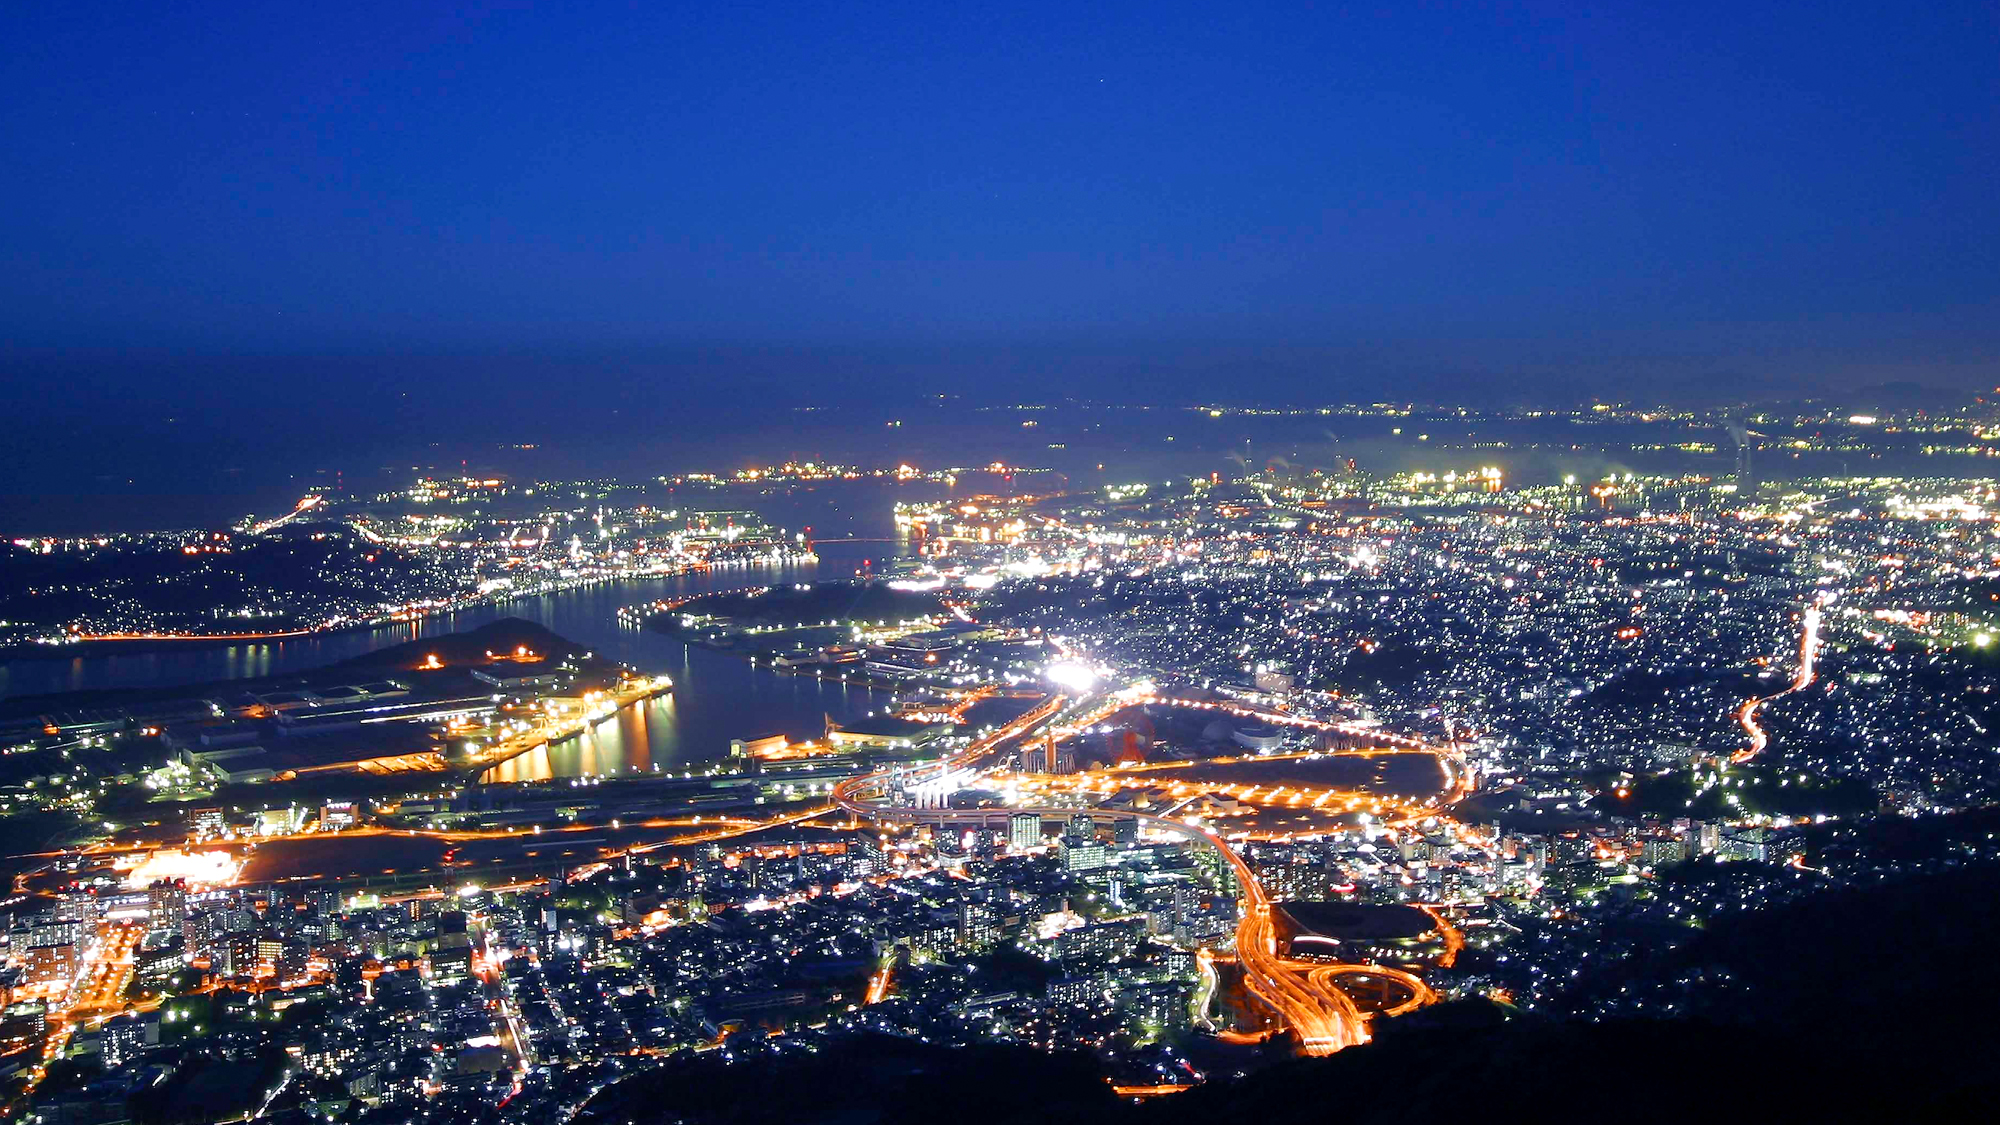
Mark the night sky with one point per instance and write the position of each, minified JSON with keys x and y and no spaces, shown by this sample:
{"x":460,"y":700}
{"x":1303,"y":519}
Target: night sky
{"x":217,"y":210}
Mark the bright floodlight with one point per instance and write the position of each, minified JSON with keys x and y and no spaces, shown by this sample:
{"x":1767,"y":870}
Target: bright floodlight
{"x":1071,"y":675}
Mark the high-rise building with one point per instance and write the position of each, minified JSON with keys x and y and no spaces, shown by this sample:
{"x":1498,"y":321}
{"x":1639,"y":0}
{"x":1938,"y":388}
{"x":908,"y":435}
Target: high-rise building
{"x":1573,"y":849}
{"x":51,"y":964}
{"x":239,"y":955}
{"x":208,"y":824}
{"x":123,"y":1038}
{"x":270,"y":954}
{"x":978,"y":924}
{"x":1024,"y":830}
{"x":166,"y":905}
{"x":201,"y":928}
{"x":1659,"y":851}
{"x":864,"y":856}
{"x":80,"y":908}
{"x":1746,"y":471}
{"x":1081,"y":854}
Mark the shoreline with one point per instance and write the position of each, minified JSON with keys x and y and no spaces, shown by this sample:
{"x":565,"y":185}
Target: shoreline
{"x":99,"y":646}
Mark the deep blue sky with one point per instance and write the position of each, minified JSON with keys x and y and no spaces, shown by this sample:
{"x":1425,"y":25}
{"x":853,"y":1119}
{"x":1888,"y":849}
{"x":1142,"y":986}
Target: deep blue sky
{"x":208,"y":204}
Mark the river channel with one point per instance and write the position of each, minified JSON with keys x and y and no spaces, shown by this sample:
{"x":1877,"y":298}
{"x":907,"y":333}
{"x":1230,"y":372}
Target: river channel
{"x":716,"y":697}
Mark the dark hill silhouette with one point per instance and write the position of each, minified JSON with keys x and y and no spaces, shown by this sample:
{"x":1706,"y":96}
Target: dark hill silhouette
{"x":1634,"y":1072}
{"x":1870,"y":1002}
{"x":863,"y":1080}
{"x":502,"y":636}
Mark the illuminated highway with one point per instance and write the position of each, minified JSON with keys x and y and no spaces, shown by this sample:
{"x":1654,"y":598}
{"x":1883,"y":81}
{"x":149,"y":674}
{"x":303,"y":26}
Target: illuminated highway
{"x":1746,"y":715}
{"x":878,"y":987}
{"x":100,"y":987}
{"x":305,"y":504}
{"x":1321,"y":1015}
{"x":96,"y":993}
{"x":730,"y":828}
{"x":1305,"y":995}
{"x":1454,"y":938}
{"x":1327,"y":977}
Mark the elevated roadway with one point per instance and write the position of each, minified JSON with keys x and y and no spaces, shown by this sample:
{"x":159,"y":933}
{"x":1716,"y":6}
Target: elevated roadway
{"x":1305,"y":995}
